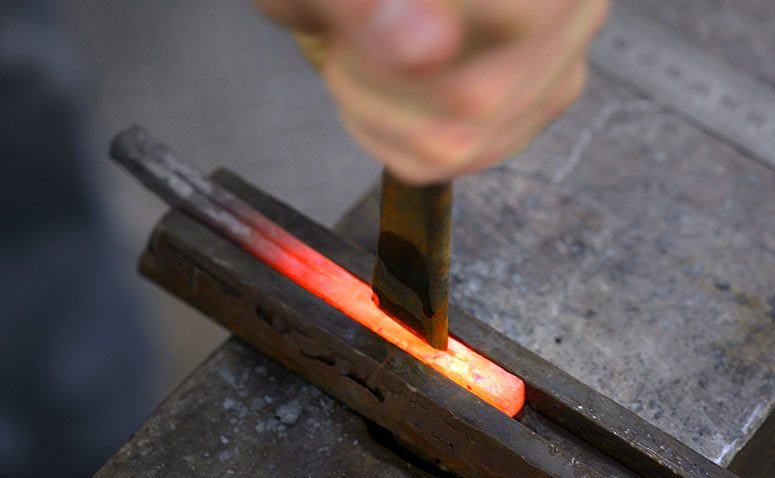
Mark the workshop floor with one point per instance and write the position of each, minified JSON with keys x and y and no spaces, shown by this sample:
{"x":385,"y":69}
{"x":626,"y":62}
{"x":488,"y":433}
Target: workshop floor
{"x":223,"y":87}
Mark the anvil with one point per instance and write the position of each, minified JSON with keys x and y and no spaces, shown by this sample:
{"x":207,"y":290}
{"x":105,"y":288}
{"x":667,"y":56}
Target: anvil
{"x":564,"y":429}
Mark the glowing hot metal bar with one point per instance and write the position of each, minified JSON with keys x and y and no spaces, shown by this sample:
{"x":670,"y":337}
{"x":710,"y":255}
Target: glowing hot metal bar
{"x":343,"y":291}
{"x":184,"y":186}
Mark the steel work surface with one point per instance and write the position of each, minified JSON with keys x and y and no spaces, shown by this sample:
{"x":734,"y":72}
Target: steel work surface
{"x":626,"y":246}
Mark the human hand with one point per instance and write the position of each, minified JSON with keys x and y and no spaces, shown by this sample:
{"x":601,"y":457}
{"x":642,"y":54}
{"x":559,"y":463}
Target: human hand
{"x":440,"y":88}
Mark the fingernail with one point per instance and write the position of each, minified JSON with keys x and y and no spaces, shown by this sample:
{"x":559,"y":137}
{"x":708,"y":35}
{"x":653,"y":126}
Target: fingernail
{"x":405,"y":32}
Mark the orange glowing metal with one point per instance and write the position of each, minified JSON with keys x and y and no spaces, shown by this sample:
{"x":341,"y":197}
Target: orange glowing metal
{"x":345,"y":292}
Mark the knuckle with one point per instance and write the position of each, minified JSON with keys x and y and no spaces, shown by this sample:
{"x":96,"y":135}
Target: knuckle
{"x":442,"y":158}
{"x":469,"y":98}
{"x":447,"y":143}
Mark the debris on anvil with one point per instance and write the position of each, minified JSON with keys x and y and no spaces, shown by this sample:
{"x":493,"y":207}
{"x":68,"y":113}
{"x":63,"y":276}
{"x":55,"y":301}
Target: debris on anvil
{"x":289,"y":413}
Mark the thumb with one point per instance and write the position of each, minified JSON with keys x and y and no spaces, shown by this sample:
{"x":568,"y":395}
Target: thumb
{"x":400,"y":34}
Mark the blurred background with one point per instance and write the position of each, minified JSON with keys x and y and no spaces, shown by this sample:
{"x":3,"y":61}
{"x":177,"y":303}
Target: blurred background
{"x":224,"y":88}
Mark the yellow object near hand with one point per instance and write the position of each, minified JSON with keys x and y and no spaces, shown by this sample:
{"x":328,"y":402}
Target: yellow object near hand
{"x":437,"y":88}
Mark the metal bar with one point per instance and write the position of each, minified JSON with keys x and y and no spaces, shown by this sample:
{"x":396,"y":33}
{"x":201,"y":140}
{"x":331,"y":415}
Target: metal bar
{"x":411,"y":274}
{"x":399,"y":393}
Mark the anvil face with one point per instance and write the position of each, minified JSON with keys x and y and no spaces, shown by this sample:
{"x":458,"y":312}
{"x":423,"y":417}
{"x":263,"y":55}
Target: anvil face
{"x":317,"y":318}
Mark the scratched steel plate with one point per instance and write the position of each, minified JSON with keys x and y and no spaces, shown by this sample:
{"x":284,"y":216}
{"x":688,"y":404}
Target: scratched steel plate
{"x":637,"y":253}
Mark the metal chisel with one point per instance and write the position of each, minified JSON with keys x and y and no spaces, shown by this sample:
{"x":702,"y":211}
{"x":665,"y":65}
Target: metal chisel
{"x":411,"y":274}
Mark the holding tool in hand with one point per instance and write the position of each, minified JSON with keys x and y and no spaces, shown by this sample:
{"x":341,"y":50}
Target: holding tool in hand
{"x":436,"y":89}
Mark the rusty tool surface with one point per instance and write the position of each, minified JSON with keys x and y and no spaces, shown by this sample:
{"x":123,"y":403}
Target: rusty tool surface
{"x":411,"y":273}
{"x":565,"y":429}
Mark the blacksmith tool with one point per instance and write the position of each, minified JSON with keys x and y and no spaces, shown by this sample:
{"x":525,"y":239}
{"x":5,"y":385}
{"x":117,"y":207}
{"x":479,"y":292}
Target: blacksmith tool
{"x":411,"y":273}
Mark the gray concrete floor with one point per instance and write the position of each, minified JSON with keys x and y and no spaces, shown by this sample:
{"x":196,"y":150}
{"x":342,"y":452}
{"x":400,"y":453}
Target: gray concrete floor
{"x":223,"y":87}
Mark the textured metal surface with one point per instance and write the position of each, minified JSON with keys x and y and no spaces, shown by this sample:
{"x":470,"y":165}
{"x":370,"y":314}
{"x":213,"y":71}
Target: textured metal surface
{"x":242,"y":414}
{"x":739,"y":32}
{"x":636,"y":252}
{"x":424,"y":410}
{"x":411,"y":273}
{"x":275,"y":315}
{"x":726,"y":101}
